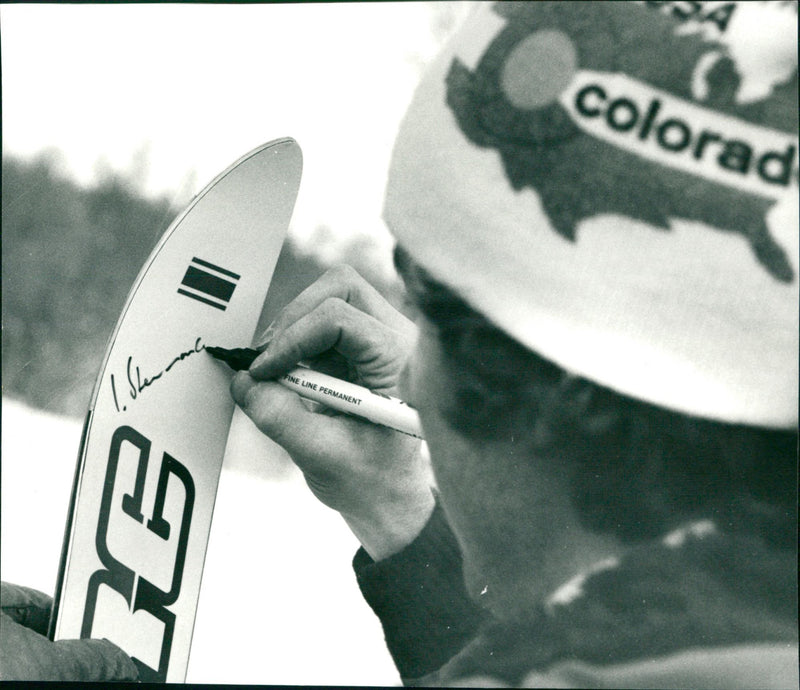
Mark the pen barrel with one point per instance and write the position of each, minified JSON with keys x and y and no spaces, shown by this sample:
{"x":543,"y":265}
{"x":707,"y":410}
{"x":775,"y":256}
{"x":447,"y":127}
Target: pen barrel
{"x":351,"y":398}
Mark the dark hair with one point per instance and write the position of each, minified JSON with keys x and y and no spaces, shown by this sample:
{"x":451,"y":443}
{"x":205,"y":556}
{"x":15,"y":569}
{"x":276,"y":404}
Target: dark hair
{"x":637,"y":469}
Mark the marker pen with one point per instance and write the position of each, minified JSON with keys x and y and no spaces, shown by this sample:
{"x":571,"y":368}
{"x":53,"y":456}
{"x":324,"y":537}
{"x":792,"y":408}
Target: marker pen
{"x":339,"y":395}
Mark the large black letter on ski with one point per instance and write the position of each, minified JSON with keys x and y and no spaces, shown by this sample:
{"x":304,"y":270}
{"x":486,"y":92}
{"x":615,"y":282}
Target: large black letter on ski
{"x":139,"y":593}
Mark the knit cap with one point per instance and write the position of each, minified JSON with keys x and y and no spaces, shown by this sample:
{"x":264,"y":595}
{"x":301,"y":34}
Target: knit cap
{"x":615,"y":185}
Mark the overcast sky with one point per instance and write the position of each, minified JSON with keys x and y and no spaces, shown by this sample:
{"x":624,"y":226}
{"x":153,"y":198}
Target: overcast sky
{"x":190,"y":88}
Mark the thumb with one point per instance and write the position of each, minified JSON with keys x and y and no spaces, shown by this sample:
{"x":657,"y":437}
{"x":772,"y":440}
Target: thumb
{"x":280,"y":414}
{"x":272,"y":407}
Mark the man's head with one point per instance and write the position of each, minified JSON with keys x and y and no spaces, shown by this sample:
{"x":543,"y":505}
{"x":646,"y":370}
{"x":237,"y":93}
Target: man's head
{"x":533,"y":461}
{"x":597,"y":209}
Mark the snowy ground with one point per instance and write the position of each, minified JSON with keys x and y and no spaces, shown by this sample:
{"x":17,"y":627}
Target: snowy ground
{"x":279,"y":602}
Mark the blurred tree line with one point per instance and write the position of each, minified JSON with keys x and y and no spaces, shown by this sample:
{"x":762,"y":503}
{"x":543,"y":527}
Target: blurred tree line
{"x":70,"y":255}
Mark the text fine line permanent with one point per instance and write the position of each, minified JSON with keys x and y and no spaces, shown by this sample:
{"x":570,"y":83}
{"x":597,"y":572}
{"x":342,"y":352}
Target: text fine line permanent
{"x":339,"y":395}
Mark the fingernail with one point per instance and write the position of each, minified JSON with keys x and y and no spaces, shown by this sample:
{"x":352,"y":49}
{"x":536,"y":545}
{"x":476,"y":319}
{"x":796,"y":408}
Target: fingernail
{"x":240,"y":385}
{"x":258,"y":362}
{"x":264,"y":339}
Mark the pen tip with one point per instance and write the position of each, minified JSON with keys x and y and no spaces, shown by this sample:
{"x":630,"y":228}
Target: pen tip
{"x":237,"y":359}
{"x":216,"y":352}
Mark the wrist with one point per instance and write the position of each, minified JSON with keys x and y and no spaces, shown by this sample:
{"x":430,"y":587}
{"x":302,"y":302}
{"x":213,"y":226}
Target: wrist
{"x":393,"y":525}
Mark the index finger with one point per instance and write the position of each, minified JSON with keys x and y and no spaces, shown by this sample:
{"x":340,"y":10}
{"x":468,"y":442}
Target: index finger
{"x":345,"y":283}
{"x":377,"y":353}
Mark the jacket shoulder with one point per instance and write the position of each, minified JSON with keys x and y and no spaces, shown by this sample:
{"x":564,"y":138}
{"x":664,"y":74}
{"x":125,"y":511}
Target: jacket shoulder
{"x":769,"y":666}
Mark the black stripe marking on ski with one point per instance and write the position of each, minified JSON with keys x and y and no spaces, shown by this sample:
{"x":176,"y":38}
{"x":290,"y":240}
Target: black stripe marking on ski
{"x":207,"y":287}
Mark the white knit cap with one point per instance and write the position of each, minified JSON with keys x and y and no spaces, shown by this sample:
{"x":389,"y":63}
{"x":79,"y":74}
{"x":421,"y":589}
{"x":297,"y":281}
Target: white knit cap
{"x":615,"y":185}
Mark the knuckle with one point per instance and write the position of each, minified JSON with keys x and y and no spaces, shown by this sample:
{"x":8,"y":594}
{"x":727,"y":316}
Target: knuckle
{"x":293,"y":352}
{"x":344,"y":278}
{"x":343,"y":272}
{"x":335,"y":303}
{"x":333,"y":309}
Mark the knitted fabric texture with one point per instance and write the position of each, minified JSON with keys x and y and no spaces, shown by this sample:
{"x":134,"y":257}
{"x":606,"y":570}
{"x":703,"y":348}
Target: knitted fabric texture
{"x":615,"y":185}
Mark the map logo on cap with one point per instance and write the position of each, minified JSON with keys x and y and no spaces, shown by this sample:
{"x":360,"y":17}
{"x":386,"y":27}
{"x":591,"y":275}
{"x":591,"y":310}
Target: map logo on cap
{"x":673,"y":110}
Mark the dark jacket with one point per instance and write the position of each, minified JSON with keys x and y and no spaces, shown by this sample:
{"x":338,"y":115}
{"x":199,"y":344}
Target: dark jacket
{"x":26,"y":653}
{"x":697,"y":609}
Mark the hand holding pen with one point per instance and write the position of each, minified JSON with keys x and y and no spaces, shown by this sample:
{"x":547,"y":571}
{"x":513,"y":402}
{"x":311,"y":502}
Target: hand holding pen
{"x":334,"y":393}
{"x":377,"y":479}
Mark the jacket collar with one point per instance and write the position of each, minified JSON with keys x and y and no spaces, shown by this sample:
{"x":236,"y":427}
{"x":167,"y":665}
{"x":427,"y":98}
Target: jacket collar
{"x":696,"y":588}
